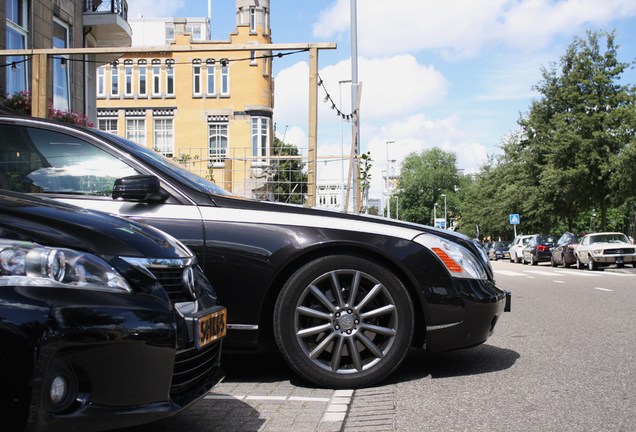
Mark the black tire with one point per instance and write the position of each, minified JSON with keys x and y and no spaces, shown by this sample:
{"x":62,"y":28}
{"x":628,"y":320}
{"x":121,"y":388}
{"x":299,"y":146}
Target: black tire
{"x":518,"y":259}
{"x":621,"y":265}
{"x":533,"y":261}
{"x":591,"y":264}
{"x":326,"y":307}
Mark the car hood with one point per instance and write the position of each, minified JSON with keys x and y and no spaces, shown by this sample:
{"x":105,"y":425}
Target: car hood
{"x":363,"y":223}
{"x":47,"y":222}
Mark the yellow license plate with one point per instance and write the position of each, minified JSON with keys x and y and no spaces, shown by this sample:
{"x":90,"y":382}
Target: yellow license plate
{"x":210,"y":327}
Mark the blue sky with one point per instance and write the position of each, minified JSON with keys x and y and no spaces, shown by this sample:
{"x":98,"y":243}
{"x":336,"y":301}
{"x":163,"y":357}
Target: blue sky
{"x":453,"y":74}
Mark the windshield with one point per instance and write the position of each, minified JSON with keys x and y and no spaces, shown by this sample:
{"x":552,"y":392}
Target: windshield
{"x":609,"y":238}
{"x":166,"y":165}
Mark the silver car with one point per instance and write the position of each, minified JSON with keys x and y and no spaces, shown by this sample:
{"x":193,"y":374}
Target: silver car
{"x":603,"y":249}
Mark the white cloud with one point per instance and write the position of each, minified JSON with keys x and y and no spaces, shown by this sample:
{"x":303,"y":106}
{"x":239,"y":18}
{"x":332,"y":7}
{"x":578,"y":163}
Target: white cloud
{"x":461,"y":28}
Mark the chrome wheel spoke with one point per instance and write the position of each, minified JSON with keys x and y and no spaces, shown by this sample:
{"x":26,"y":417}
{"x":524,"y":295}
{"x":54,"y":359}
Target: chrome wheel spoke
{"x":374,"y":292}
{"x":378,"y":312}
{"x":337,"y":354}
{"x":303,"y":310}
{"x":370,"y":345}
{"x":354,"y":354}
{"x":321,"y":346}
{"x":322,"y":298}
{"x":337,"y":289}
{"x":355,"y":285}
{"x":386,"y":331}
{"x":314,"y":330}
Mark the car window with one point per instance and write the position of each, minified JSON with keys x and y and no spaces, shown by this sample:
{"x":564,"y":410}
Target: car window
{"x":42,"y":161}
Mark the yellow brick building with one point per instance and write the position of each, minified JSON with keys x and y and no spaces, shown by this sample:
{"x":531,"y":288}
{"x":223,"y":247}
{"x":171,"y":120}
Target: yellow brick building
{"x":211,"y":109}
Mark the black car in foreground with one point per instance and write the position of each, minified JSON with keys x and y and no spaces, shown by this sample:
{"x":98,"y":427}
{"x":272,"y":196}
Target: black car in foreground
{"x":342,"y":296}
{"x":104,"y":323}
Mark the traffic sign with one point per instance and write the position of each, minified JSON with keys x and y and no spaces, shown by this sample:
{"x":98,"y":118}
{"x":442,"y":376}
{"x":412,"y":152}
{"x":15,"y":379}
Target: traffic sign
{"x":514,"y":219}
{"x":440,"y":223}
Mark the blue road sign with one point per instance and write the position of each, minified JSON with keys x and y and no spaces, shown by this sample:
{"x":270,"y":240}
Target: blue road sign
{"x":514,"y":219}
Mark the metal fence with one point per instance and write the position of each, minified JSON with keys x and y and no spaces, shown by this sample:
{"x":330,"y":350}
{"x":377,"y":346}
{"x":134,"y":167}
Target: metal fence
{"x":273,"y":177}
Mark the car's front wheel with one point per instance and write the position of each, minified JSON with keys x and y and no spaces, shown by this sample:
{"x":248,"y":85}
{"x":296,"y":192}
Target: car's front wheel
{"x":343,"y":322}
{"x":591,"y":264}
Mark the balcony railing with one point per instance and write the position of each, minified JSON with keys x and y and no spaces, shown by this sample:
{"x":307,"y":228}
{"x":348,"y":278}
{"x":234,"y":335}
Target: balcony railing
{"x":119,"y":7}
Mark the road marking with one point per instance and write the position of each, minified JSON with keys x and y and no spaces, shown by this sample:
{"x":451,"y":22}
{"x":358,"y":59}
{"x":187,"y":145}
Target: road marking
{"x":268,"y":398}
{"x":539,"y":272}
{"x":603,"y":289}
{"x":509,"y":273}
{"x":577,"y":273}
{"x":558,"y":281}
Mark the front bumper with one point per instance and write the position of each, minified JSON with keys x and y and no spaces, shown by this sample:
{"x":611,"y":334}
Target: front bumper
{"x":476,"y":312}
{"x":124,"y":359}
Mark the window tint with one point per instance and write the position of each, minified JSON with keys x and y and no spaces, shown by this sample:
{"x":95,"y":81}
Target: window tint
{"x":41,"y":161}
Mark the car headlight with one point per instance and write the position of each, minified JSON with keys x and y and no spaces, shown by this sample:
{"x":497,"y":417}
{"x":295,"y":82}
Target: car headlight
{"x":459,"y":261}
{"x":30,"y":264}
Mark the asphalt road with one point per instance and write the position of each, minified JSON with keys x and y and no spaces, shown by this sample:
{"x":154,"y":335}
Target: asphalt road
{"x":562,"y":360}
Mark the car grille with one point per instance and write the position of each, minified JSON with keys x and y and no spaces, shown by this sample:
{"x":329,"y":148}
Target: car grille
{"x":618,"y":251}
{"x":172,"y":281}
{"x":192,"y":369}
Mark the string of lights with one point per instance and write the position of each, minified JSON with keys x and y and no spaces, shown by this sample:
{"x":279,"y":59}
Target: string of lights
{"x":223,"y":61}
{"x":328,"y":99}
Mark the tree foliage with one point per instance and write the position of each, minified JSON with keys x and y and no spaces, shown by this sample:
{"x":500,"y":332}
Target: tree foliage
{"x":289,"y":183}
{"x":424,"y":177}
{"x":571,"y":165}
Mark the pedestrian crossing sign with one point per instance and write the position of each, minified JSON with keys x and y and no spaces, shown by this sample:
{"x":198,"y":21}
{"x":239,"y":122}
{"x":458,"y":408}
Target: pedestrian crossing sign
{"x":514,"y":219}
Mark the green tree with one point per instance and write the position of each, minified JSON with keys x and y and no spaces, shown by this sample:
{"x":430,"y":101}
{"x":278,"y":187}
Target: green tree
{"x":289,"y":183}
{"x":575,"y":134}
{"x":424,"y":177}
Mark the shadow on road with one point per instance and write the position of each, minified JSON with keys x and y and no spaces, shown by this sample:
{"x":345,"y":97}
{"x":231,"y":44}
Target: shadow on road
{"x":479,"y":360}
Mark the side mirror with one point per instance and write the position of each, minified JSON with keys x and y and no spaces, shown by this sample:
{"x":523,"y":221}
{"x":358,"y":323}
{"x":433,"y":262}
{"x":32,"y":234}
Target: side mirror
{"x":141,"y":188}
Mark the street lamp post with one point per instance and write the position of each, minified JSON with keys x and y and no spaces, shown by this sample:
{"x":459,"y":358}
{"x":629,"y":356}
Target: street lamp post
{"x":435,"y":215}
{"x":444,"y":195}
{"x":342,"y":162}
{"x":388,"y":180}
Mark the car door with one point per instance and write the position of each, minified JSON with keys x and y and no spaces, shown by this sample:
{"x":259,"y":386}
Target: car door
{"x":74,"y":168}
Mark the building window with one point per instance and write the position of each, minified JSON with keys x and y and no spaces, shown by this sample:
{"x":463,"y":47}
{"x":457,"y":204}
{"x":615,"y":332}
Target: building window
{"x":260,"y":140}
{"x":252,"y":58}
{"x":143,"y":70}
{"x":114,"y":79}
{"x":128,"y":78}
{"x":156,"y":78}
{"x":225,"y":78}
{"x":266,"y":21}
{"x":195,"y":31}
{"x":61,"y":76}
{"x":101,"y":81}
{"x":136,"y":130}
{"x":169,"y":33}
{"x":164,"y":137}
{"x":252,"y":19}
{"x":169,"y":77}
{"x":107,"y":125}
{"x":210,"y":72}
{"x":17,"y":31}
{"x":196,"y":77}
{"x":217,"y":139}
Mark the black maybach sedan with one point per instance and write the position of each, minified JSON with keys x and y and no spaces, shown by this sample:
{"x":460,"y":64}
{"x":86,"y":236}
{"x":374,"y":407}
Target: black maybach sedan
{"x":342,"y":296}
{"x":100,"y":320}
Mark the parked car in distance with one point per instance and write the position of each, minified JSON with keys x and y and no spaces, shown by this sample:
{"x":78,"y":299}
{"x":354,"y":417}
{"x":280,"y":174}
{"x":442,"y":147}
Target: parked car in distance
{"x":106,"y":323}
{"x":516,"y":248}
{"x":499,"y":250}
{"x":604,"y":249}
{"x":342,"y":296}
{"x":563,"y":253}
{"x":539,"y":249}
